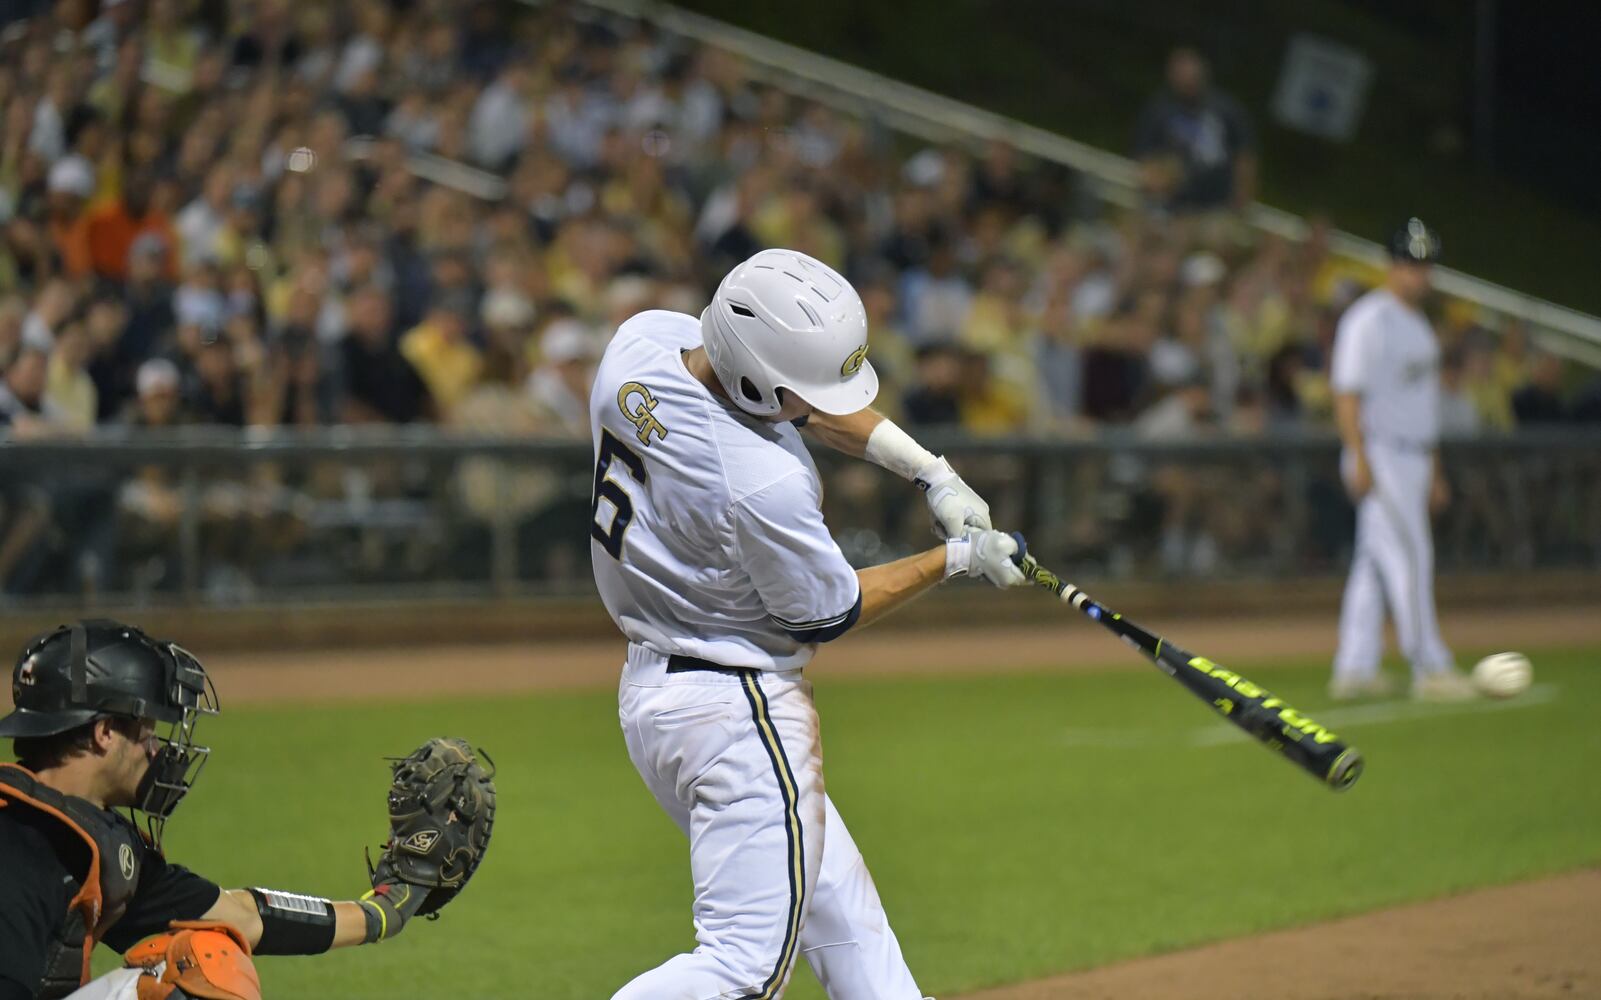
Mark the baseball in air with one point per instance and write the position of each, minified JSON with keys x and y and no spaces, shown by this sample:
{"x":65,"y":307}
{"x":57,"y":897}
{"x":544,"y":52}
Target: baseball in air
{"x":1503,"y":675}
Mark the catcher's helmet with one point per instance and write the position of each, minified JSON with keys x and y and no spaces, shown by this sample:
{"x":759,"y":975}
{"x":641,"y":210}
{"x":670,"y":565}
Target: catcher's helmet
{"x":100,"y":668}
{"x":1414,"y":243}
{"x":82,"y":672}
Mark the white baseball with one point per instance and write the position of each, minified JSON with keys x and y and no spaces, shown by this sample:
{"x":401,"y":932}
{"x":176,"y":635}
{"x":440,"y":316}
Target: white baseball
{"x":1503,"y":675}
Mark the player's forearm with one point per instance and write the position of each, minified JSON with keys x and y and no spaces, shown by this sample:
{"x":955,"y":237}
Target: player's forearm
{"x":239,"y":908}
{"x":1348,"y":420}
{"x":871,"y":435}
{"x":847,"y":433}
{"x":895,"y":584}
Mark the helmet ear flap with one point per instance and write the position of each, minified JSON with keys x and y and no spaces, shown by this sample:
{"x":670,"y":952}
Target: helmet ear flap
{"x":740,"y":372}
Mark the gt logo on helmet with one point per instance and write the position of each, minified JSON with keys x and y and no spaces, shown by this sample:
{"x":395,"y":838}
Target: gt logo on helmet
{"x":853,"y":364}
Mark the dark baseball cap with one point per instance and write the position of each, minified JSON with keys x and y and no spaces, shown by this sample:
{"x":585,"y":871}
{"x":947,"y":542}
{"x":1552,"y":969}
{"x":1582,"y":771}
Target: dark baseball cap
{"x":1414,"y":242}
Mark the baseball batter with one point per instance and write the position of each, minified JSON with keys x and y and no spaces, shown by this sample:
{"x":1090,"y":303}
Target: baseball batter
{"x":711,"y":554}
{"x":1387,"y":399}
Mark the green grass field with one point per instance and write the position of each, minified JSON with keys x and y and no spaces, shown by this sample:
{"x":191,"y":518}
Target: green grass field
{"x":1016,"y":826}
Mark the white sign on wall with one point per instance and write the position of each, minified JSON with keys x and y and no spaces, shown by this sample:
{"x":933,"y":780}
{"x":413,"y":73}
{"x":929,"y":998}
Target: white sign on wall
{"x":1323,"y":88}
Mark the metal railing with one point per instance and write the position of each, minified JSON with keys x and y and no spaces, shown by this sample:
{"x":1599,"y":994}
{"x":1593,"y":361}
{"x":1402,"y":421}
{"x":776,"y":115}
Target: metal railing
{"x":939,"y":119}
{"x":216,"y":517}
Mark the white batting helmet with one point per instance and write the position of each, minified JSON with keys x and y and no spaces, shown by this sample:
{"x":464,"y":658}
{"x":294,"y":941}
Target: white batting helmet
{"x":783,"y":320}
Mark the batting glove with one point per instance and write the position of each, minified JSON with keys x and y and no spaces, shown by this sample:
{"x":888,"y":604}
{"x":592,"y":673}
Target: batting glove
{"x":986,"y":554}
{"x":956,"y":508}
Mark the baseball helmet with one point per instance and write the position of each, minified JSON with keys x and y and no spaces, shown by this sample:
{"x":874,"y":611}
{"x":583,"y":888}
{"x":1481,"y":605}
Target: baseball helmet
{"x":100,"y":668}
{"x":783,"y":320}
{"x":1414,"y":243}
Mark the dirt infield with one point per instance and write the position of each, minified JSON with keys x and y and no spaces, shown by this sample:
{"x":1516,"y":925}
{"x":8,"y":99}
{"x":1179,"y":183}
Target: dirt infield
{"x":1519,"y":942}
{"x":457,"y":670}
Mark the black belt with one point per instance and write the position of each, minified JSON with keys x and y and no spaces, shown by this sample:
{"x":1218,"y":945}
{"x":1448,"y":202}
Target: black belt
{"x":1401,"y":445}
{"x":687,"y":664}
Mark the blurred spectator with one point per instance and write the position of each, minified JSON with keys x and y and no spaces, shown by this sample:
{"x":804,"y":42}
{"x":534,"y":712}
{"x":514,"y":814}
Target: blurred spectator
{"x":176,"y":181}
{"x":12,"y":313}
{"x":560,"y":384}
{"x":22,"y":394}
{"x":218,"y":394}
{"x":935,"y":398}
{"x":70,"y":185}
{"x":439,"y":350}
{"x":1540,"y":400}
{"x":1184,"y":412}
{"x":1196,"y":149}
{"x":1116,"y":370}
{"x":1492,"y":401}
{"x":1283,"y":407}
{"x":936,"y":298}
{"x":380,"y":385}
{"x":54,"y":305}
{"x":499,"y":125}
{"x":1458,"y":416}
{"x":114,"y":228}
{"x":157,"y":403}
{"x":70,"y":393}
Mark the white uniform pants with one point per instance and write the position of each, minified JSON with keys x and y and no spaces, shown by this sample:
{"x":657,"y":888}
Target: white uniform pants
{"x":735,"y":758}
{"x":1392,"y":566}
{"x":123,"y":984}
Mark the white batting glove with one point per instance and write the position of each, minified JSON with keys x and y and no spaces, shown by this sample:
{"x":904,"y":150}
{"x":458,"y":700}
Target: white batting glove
{"x":956,"y":508}
{"x":986,"y":554}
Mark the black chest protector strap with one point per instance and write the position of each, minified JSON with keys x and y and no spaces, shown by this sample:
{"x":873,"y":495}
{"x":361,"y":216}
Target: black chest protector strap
{"x":105,"y":885}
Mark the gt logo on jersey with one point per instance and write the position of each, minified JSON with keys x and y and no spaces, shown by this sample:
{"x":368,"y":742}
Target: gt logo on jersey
{"x":853,"y":364}
{"x":637,"y":402}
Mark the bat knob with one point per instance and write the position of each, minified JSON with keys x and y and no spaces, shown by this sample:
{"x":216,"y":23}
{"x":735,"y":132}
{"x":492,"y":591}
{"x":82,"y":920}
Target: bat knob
{"x":1022,"y":547}
{"x":1347,"y":767}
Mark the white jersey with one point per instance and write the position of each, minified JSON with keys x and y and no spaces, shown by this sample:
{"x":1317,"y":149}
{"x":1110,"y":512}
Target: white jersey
{"x":1385,"y":351}
{"x":708,"y":539}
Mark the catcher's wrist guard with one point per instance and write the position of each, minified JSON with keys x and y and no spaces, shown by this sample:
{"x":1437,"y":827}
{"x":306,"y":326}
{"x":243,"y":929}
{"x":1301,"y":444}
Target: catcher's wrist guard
{"x":292,"y":924}
{"x":441,"y":812}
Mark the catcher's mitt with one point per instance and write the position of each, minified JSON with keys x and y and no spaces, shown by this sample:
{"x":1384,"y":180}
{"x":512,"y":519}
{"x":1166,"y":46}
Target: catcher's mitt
{"x":441,"y":811}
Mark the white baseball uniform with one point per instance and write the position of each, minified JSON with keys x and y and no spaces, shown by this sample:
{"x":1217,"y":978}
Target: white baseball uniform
{"x":711,"y":554}
{"x":1386,"y":353}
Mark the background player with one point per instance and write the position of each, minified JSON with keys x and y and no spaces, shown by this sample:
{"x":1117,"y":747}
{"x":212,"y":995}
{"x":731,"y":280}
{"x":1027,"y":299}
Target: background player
{"x":89,"y":699}
{"x":711,"y":555}
{"x":1386,"y":378}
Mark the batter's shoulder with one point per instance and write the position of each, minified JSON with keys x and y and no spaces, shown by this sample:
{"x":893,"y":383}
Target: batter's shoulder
{"x":756,"y":455}
{"x":659,"y":330}
{"x":1367,"y":310}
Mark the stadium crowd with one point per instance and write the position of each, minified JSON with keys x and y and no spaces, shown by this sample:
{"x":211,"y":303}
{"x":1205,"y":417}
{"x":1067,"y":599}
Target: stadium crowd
{"x":258,"y":213}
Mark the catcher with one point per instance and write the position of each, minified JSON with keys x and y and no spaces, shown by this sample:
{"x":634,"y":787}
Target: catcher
{"x":91,"y":701}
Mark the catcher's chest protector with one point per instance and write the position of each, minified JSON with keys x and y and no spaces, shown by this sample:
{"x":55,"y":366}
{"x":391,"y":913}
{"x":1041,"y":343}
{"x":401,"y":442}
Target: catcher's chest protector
{"x":105,"y":876}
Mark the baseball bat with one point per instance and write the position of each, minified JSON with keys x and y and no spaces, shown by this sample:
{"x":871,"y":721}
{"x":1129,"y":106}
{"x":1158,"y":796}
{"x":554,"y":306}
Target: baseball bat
{"x":1267,"y":719}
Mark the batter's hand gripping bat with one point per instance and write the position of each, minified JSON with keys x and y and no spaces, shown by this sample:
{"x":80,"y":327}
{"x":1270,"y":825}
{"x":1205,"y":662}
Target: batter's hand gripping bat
{"x":1268,"y":720}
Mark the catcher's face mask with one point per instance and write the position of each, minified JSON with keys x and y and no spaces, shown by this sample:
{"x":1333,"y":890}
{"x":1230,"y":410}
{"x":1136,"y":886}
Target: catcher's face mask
{"x":178,"y":760}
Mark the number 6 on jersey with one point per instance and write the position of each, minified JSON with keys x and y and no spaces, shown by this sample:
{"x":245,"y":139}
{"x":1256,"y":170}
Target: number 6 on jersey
{"x":606,"y":487}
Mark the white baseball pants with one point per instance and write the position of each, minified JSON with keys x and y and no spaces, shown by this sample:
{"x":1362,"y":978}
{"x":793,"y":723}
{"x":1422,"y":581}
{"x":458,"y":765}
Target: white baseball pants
{"x":122,"y":984}
{"x":1392,"y":566}
{"x":735,"y":758}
